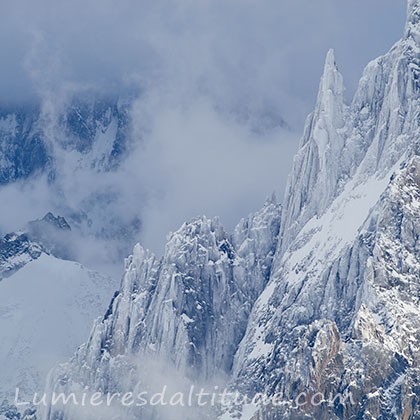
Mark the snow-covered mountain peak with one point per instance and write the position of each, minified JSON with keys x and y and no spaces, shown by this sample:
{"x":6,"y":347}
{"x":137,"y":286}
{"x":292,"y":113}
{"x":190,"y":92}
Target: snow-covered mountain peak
{"x":367,"y":138}
{"x":202,"y":237}
{"x":58,"y":221}
{"x":331,"y":91}
{"x":45,"y":230}
{"x":138,"y":256}
{"x":198,"y":227}
{"x":317,"y":171}
{"x":43,"y":236}
{"x":188,"y":309}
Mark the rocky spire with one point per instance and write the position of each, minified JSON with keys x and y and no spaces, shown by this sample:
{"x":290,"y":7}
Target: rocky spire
{"x":316,"y":168}
{"x":331,"y":91}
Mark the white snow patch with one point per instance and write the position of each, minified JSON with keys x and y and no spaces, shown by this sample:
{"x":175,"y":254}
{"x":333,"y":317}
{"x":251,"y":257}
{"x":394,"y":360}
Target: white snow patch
{"x":46,"y":312}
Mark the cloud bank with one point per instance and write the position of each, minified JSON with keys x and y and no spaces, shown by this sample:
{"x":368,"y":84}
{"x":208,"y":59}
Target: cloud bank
{"x":223,"y":89}
{"x":256,"y":51}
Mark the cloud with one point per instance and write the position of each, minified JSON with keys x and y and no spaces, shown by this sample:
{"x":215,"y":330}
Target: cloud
{"x":20,"y":201}
{"x":215,"y":80}
{"x":234,"y":50}
{"x":198,"y":161}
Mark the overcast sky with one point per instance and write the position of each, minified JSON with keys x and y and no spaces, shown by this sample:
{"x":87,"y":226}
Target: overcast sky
{"x":261,"y":50}
{"x":210,"y":71}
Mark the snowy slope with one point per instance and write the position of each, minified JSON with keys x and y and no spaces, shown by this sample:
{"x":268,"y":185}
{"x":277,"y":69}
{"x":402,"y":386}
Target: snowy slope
{"x":46,"y":311}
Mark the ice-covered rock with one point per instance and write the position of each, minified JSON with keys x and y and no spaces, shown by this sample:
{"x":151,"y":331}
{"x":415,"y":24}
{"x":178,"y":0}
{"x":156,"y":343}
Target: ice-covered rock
{"x":318,"y":167}
{"x":188,"y":310}
{"x":341,"y":311}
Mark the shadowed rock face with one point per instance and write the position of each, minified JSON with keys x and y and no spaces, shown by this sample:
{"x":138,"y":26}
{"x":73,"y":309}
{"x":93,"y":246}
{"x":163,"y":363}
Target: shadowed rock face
{"x":29,"y":137}
{"x":23,"y":152}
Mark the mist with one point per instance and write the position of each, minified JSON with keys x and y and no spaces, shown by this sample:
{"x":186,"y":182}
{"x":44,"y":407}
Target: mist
{"x":222,"y":89}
